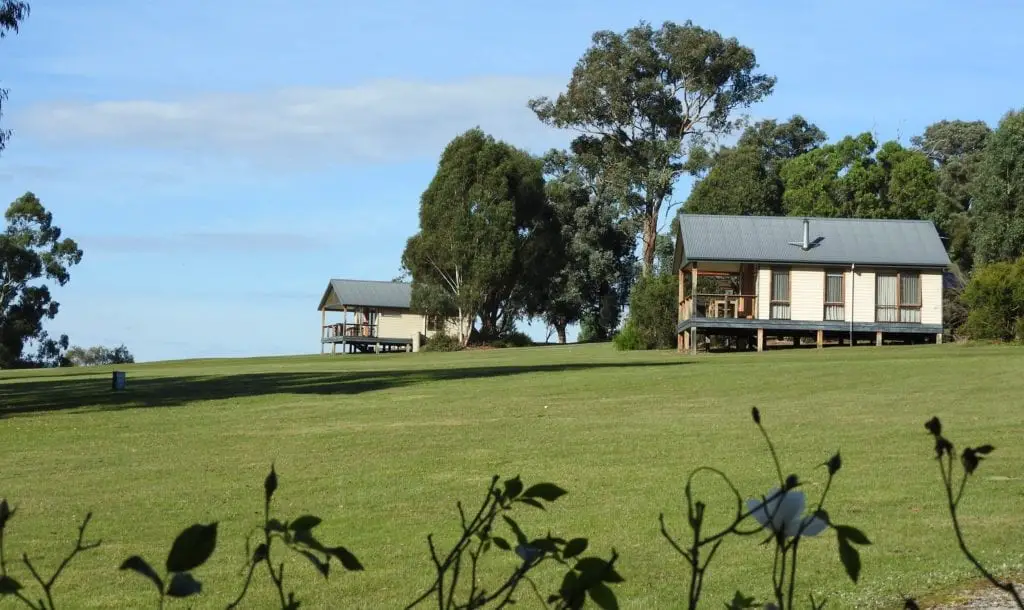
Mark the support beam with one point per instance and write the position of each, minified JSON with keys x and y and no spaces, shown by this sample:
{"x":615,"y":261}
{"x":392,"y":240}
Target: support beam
{"x":679,"y":342}
{"x":693,"y":340}
{"x":821,"y":339}
{"x":878,"y":339}
{"x":938,"y":338}
{"x":760,"y":340}
{"x":323,"y":323}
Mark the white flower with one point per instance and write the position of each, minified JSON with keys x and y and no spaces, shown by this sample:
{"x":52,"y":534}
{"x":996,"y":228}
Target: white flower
{"x":784,"y":513}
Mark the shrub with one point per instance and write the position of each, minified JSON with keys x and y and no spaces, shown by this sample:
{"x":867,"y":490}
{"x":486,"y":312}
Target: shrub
{"x":653,"y":311}
{"x":512,"y":339}
{"x":995,"y":301}
{"x":99,"y":355}
{"x":628,"y":338}
{"x":442,"y":342}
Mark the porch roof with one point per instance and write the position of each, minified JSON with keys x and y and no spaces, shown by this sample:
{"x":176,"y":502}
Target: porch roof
{"x":365,"y":293}
{"x":833,"y":241}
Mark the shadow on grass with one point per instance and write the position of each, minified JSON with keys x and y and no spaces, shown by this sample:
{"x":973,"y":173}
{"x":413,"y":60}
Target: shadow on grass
{"x":59,"y":394}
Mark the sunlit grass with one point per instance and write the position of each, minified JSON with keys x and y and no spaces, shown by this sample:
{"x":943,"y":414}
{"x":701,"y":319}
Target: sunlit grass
{"x":381,"y":447}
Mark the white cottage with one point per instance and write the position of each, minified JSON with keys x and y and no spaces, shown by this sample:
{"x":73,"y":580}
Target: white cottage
{"x":367,"y":315}
{"x":755,"y":277}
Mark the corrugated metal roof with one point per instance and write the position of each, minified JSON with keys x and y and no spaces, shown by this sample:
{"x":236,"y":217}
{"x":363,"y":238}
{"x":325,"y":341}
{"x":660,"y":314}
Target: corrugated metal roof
{"x":912,"y":243}
{"x":368,"y":293}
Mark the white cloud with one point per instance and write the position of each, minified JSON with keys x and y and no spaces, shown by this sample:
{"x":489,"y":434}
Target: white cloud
{"x":379,"y":121}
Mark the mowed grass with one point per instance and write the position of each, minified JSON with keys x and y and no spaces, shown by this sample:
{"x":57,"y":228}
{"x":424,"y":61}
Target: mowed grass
{"x":381,"y":447}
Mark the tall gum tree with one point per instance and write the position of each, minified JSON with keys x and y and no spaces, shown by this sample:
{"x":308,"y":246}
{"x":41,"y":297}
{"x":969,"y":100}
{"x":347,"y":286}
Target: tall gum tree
{"x":474,"y":247}
{"x":642,"y":99}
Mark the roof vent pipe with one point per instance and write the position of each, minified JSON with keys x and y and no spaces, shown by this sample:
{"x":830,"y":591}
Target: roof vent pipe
{"x":807,"y":235}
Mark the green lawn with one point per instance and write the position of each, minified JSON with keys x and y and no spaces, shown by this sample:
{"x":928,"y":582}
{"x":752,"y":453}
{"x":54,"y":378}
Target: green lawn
{"x":381,"y":447}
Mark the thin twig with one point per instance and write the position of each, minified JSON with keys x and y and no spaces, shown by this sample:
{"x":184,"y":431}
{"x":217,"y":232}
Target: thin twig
{"x":79,"y":548}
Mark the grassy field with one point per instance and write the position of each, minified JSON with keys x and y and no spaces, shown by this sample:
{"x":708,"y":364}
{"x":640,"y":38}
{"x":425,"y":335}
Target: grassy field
{"x":381,"y":447}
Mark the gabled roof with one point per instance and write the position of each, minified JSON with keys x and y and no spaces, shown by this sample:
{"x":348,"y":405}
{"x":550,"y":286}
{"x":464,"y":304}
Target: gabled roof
{"x":839,"y":241}
{"x":366,"y":293}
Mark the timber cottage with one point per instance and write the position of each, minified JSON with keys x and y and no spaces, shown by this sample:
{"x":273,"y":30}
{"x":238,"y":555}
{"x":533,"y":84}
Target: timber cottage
{"x":758,"y":277}
{"x":372,"y":316}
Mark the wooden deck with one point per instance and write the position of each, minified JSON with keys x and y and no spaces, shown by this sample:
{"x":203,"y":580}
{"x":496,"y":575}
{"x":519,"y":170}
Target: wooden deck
{"x":800,"y":326}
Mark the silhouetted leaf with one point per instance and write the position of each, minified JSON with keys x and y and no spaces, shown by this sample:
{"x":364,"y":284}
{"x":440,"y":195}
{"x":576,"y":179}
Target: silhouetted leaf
{"x":569,"y":583}
{"x":595,"y":568}
{"x":741,"y":602}
{"x":347,"y":559}
{"x":575,"y":547}
{"x":792,"y":481}
{"x":910,"y":604}
{"x":603,"y":596}
{"x":9,"y":586}
{"x":970,"y":460}
{"x":260,"y":553}
{"x":934,"y":426}
{"x":322,"y":566}
{"x":192,"y":547}
{"x":501,"y":543}
{"x":545,"y":544}
{"x":5,"y":513}
{"x":527,"y":552}
{"x":183,"y":585}
{"x":270,"y":484}
{"x":275,"y":526}
{"x":139,"y":565}
{"x":852,"y":534}
{"x":850,"y":558}
{"x":823,"y":515}
{"x":985,"y":449}
{"x":520,"y":536}
{"x":513,"y":487}
{"x":545,"y":491}
{"x":531,"y":502}
{"x":834,"y":464}
{"x":756,"y":414}
{"x":305,"y":522}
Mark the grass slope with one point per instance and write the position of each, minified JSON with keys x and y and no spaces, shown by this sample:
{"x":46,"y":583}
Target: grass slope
{"x":381,"y":447}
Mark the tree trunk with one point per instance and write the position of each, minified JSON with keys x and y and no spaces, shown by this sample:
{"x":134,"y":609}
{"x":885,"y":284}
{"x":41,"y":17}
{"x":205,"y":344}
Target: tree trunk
{"x":650,"y":239}
{"x":560,"y":326}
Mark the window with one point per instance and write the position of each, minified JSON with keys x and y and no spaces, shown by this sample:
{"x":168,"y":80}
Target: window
{"x":898,"y":297}
{"x":434,"y":323}
{"x":780,"y":294}
{"x":835,"y":301}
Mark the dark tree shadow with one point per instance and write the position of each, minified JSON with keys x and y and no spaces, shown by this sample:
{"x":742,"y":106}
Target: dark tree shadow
{"x":53,"y":393}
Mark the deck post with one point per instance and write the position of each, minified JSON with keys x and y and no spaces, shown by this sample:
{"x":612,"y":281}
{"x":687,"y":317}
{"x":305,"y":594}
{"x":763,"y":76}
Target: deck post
{"x":760,"y":340}
{"x":878,"y":339}
{"x":693,"y":291}
{"x":679,"y":342}
{"x":938,"y":338}
{"x":821,"y":339}
{"x":323,"y":323}
{"x":693,"y":340}
{"x":334,"y":348}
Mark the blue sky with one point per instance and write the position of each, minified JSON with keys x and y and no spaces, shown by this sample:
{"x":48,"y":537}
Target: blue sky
{"x":219,"y":161}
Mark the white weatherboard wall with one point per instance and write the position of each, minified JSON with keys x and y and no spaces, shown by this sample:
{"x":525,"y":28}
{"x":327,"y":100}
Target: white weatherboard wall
{"x":807,"y":294}
{"x":931,"y":298}
{"x":764,"y":293}
{"x":400,"y":324}
{"x":864,"y":296}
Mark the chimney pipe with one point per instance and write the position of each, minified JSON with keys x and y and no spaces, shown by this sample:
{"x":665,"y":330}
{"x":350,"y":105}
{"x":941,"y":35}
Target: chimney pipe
{"x":807,"y":235}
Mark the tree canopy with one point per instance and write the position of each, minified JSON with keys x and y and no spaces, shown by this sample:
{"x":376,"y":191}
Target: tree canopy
{"x":31,"y":250}
{"x":998,"y":193}
{"x":642,"y":99}
{"x":477,"y":238}
{"x":745,"y":179}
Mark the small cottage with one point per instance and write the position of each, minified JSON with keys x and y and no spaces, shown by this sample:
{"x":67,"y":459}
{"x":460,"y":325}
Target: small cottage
{"x":752,"y":278}
{"x":367,"y":315}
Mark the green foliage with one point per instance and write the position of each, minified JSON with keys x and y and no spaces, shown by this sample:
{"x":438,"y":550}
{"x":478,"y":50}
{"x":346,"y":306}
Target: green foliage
{"x":31,"y":250}
{"x":745,"y":179}
{"x":442,"y":342}
{"x":512,"y":339}
{"x":12,"y":14}
{"x":99,"y":355}
{"x":476,"y":245}
{"x":853,"y":178}
{"x":653,"y":311}
{"x":995,"y":301}
{"x":955,"y":147}
{"x":642,"y":99}
{"x":998,"y":190}
{"x":590,"y":249}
